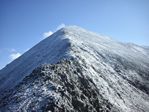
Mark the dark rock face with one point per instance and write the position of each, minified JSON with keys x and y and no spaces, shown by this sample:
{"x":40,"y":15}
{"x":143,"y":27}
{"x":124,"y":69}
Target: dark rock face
{"x":66,"y":89}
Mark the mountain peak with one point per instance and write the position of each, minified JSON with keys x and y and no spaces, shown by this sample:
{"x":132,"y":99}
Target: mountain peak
{"x":97,"y":63}
{"x":72,"y":27}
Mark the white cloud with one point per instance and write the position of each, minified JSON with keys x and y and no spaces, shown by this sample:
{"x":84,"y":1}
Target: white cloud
{"x":60,"y":26}
{"x":12,"y":50}
{"x":14,"y":55}
{"x":47,"y":34}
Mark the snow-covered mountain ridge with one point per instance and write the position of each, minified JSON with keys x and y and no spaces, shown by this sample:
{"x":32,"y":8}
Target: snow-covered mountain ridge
{"x":118,"y":74}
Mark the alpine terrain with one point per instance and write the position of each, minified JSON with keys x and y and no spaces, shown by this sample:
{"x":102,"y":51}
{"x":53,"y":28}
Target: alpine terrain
{"x":75,"y":70}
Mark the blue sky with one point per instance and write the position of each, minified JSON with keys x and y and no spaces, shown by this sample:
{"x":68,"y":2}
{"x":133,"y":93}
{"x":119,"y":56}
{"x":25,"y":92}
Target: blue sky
{"x":23,"y":23}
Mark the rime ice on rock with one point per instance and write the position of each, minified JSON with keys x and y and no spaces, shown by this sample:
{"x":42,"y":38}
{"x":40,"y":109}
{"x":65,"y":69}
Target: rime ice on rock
{"x":77,"y":70}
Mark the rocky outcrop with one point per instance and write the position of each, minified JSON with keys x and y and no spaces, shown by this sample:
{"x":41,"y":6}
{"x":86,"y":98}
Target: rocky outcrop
{"x":62,"y":87}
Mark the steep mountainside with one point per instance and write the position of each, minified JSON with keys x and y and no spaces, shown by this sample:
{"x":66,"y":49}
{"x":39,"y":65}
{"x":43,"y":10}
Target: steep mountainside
{"x":77,"y":70}
{"x":59,"y":87}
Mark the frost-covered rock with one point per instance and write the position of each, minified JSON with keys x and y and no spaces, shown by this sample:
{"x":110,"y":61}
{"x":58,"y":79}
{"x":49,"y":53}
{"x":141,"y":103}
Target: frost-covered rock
{"x":77,"y":70}
{"x":59,"y":87}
